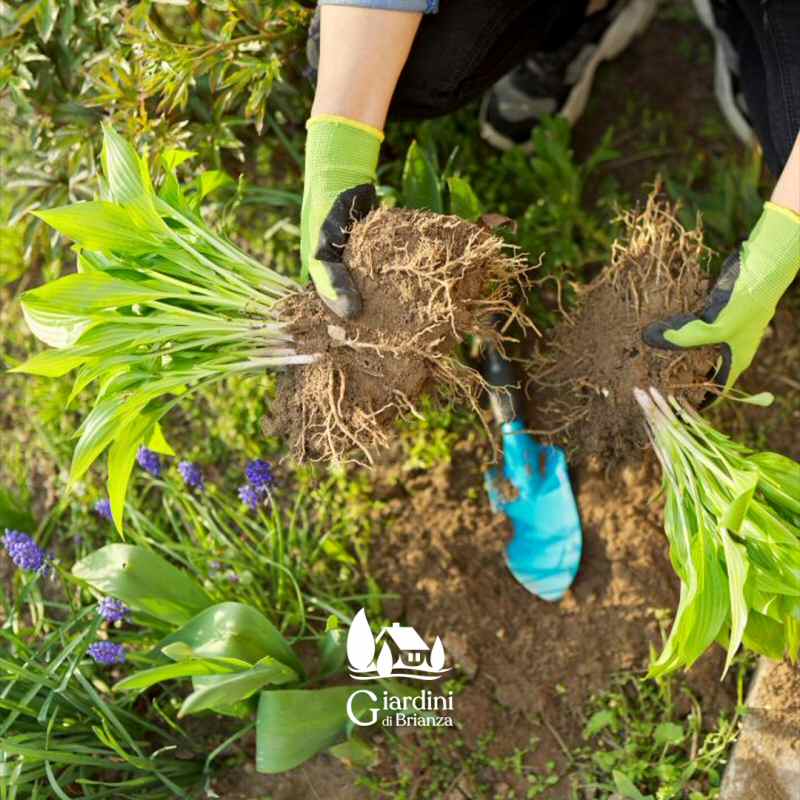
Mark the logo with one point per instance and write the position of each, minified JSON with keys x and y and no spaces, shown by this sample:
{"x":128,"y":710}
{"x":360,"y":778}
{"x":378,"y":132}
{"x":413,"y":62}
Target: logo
{"x":401,"y":653}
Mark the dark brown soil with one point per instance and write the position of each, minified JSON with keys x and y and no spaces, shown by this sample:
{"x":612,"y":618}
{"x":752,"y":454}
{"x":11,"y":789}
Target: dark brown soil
{"x":583,"y":379}
{"x":426,"y":282}
{"x":533,"y":663}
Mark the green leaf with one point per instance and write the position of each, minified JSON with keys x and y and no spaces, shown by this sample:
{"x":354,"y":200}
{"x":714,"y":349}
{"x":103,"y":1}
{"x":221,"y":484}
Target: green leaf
{"x":599,"y":721}
{"x":764,"y":635}
{"x":295,"y":724}
{"x":182,"y":669}
{"x":421,"y":188}
{"x":236,"y":688}
{"x":45,"y":18}
{"x":736,"y":565}
{"x":144,"y":581}
{"x":333,"y":651}
{"x":234,"y":630}
{"x":52,"y":326}
{"x":463,"y":201}
{"x":355,"y":752}
{"x":734,"y":515}
{"x":51,"y":363}
{"x":173,"y":158}
{"x":626,"y":787}
{"x":100,"y":225}
{"x":122,"y":456}
{"x":158,"y":444}
{"x":90,"y":292}
{"x":668,"y":733}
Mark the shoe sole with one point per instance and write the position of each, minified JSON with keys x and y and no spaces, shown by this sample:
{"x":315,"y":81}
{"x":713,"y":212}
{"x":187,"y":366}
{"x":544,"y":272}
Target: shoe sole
{"x":723,"y":84}
{"x":630,"y":23}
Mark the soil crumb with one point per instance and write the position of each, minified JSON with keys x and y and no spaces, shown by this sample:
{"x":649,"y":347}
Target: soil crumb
{"x":586,"y":369}
{"x":426,"y":282}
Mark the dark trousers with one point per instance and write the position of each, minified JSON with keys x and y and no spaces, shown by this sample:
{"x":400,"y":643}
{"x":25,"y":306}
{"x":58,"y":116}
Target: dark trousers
{"x":461,"y":51}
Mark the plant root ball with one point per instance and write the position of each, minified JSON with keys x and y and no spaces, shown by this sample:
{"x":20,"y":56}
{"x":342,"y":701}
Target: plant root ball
{"x":427,"y":281}
{"x":586,"y":368}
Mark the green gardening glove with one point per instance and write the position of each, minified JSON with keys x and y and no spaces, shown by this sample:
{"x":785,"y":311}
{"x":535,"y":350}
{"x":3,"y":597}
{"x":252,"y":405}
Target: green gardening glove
{"x":341,"y":159}
{"x":744,"y":299}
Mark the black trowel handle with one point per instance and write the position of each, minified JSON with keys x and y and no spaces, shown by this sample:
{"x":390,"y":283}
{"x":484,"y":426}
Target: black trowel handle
{"x":503,"y":379}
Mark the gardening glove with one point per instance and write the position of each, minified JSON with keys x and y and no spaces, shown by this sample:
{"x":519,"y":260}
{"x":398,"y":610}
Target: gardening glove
{"x":341,"y":159}
{"x":743,"y":300}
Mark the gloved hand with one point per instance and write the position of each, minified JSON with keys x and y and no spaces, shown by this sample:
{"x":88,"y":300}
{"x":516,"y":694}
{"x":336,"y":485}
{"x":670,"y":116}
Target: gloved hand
{"x":743,"y":300}
{"x":341,"y":159}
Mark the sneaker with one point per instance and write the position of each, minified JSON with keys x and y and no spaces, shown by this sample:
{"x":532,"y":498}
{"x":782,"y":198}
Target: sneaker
{"x":727,"y":84}
{"x":559,"y":82}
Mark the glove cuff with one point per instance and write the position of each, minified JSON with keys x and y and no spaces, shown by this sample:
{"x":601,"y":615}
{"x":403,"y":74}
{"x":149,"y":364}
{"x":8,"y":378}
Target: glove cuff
{"x":770,"y":258}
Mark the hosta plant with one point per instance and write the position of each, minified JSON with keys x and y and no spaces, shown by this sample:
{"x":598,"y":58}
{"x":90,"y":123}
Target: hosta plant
{"x":159,"y":307}
{"x":732,"y":517}
{"x":238,"y":662}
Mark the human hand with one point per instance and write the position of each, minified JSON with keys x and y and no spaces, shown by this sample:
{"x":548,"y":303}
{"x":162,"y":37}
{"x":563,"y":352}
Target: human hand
{"x":744,"y":299}
{"x":341,"y":159}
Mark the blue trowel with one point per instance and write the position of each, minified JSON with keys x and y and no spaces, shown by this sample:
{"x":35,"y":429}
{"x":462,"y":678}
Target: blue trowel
{"x":532,"y":488}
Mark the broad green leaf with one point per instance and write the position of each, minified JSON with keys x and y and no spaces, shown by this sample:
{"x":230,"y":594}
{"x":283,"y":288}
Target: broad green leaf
{"x":54,"y":327}
{"x":333,"y":651}
{"x":295,"y":724}
{"x":122,"y":456}
{"x":355,"y":752}
{"x":780,"y":479}
{"x":736,"y":565}
{"x":108,"y":420}
{"x":182,"y":669}
{"x":88,"y":292}
{"x":421,"y":188}
{"x":100,"y":225}
{"x":668,"y":733}
{"x":158,"y":444}
{"x":238,"y":687}
{"x":626,"y":787}
{"x":144,"y":581}
{"x":463,"y":201}
{"x":598,"y":721}
{"x":764,"y":635}
{"x":129,"y":181}
{"x":173,"y":158}
{"x":735,"y":513}
{"x":234,"y":630}
{"x":51,"y":363}
{"x":210,"y":181}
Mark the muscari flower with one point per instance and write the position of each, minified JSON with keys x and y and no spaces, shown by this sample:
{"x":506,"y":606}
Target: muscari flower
{"x":113,"y":610}
{"x":192,"y":475}
{"x":259,"y":474}
{"x":103,"y":509}
{"x":24,"y":552}
{"x":249,"y":496}
{"x":107,"y":653}
{"x":149,"y":461}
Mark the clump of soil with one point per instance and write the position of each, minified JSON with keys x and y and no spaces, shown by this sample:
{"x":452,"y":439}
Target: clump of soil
{"x":584,"y":375}
{"x":426,"y":281}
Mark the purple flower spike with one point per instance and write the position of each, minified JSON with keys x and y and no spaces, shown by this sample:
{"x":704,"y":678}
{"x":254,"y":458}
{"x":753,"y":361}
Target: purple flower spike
{"x":107,"y":653}
{"x":259,"y":474}
{"x":192,"y":475}
{"x":113,"y":610}
{"x":103,"y":509}
{"x":249,"y":496}
{"x":149,"y":461}
{"x":24,"y":552}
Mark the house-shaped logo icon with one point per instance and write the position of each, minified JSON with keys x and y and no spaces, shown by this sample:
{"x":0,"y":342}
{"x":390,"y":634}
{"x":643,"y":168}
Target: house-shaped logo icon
{"x":401,"y":652}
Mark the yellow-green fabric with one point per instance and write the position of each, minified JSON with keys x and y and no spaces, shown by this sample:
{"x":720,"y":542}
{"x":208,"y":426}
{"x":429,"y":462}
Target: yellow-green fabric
{"x":340,"y":154}
{"x":770,"y":261}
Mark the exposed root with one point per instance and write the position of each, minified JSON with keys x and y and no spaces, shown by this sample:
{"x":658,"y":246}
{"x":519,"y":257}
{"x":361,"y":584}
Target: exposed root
{"x":582,"y":378}
{"x":427,"y":282}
